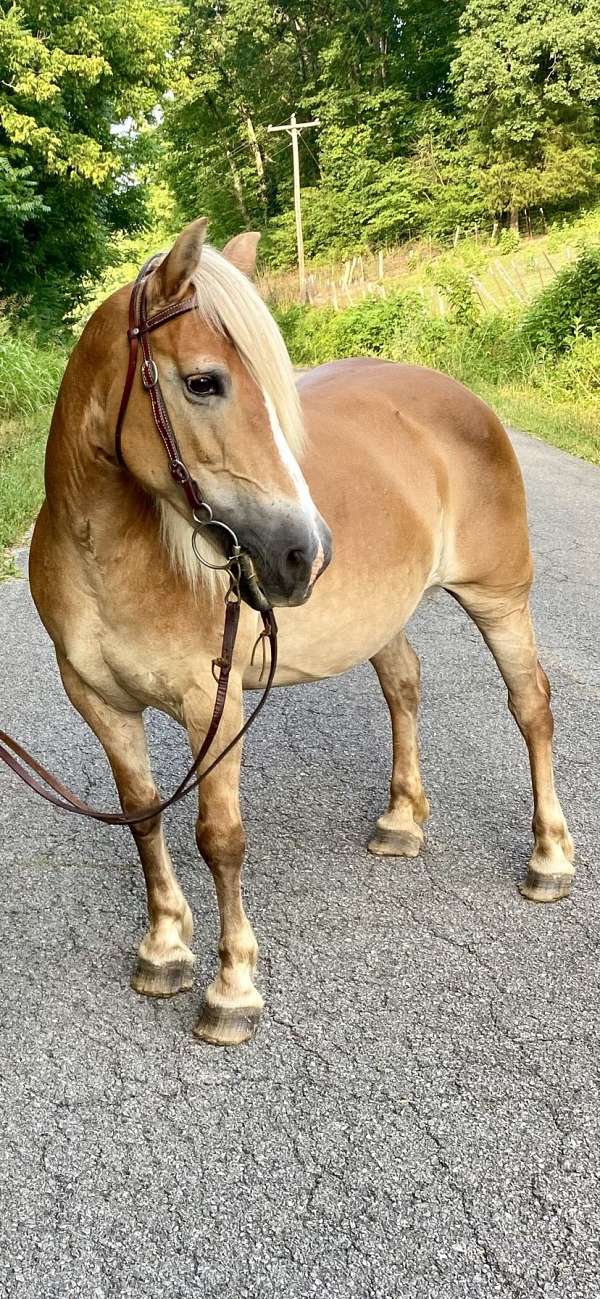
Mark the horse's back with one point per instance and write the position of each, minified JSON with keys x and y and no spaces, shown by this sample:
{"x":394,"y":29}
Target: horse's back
{"x":408,"y":403}
{"x":417,"y":440}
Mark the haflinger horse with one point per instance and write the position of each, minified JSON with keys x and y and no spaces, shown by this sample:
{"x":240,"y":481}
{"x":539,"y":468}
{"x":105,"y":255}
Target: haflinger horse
{"x":420,"y":488}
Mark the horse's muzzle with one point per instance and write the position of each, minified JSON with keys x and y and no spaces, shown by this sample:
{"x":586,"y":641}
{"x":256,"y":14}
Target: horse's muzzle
{"x":289,"y":558}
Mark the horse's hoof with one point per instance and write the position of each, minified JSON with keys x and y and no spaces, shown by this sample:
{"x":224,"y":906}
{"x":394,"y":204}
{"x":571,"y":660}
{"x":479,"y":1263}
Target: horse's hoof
{"x":395,"y":843}
{"x":219,"y":1026}
{"x":162,"y":980}
{"x":541,"y":887}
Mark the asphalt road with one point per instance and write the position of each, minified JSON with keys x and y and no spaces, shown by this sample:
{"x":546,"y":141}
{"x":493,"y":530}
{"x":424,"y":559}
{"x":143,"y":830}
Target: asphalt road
{"x":419,"y":1114}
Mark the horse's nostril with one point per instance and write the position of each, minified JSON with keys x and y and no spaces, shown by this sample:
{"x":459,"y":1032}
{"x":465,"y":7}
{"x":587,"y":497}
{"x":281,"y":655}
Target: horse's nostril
{"x":296,"y":558}
{"x":295,"y":562}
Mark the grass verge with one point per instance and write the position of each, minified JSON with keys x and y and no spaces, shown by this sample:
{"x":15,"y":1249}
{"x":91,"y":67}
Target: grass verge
{"x":30,"y":373}
{"x":572,"y":427}
{"x":539,"y":368}
{"x":21,"y":480}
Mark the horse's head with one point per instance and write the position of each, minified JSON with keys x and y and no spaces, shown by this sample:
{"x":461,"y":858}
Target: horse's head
{"x":229,"y":388}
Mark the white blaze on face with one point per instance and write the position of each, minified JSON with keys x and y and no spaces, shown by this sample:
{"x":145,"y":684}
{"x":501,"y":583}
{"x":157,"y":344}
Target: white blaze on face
{"x":305,"y":500}
{"x":304,"y":497}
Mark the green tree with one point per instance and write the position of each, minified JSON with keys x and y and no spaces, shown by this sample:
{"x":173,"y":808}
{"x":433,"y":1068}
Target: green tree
{"x":527,"y":86}
{"x":368,"y":71}
{"x":70,"y":72}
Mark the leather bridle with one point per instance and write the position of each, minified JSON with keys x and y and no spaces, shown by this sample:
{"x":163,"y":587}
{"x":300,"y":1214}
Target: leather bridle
{"x":238,"y":564}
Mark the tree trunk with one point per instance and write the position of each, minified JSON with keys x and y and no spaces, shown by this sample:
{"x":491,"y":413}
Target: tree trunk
{"x":239,"y":189}
{"x":258,"y":162}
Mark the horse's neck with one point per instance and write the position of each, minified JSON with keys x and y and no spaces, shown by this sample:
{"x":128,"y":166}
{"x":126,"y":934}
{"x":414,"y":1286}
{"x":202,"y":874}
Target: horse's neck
{"x":103,"y":516}
{"x":87,"y":493}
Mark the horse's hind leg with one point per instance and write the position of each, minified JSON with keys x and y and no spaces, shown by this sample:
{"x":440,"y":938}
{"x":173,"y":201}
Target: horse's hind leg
{"x":165,"y":963}
{"x":504,"y":621}
{"x":398,"y":832}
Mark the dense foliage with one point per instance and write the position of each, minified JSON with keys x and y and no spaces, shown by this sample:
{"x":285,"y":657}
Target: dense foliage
{"x":433,"y":114}
{"x":568,"y":308}
{"x":527,"y":86}
{"x":70,"y":72}
{"x":563,"y":317}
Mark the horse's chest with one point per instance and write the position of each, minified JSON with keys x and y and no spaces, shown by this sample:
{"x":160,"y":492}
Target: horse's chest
{"x":148,"y":671}
{"x":125,"y":663}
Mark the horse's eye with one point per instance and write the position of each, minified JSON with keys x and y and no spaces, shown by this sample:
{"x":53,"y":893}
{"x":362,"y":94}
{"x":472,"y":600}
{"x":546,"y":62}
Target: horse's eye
{"x":204,"y":385}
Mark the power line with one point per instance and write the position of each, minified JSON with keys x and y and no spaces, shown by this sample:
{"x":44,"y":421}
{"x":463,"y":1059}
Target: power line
{"x":313,"y":155}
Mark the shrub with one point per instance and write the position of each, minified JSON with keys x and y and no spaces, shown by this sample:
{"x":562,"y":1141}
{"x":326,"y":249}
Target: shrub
{"x":569,"y":305}
{"x":456,"y":286}
{"x":508,"y":242}
{"x":370,"y":327}
{"x":492,"y":354}
{"x":317,"y":334}
{"x":488,"y":350}
{"x":401,"y":328}
{"x":577,"y":372}
{"x":307,"y":333}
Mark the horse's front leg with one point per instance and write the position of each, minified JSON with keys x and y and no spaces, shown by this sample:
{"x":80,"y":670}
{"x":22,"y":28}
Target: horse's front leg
{"x":232,"y":1006}
{"x":165,"y":963}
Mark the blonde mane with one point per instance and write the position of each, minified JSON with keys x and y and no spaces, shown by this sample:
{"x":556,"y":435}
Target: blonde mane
{"x":231,"y":304}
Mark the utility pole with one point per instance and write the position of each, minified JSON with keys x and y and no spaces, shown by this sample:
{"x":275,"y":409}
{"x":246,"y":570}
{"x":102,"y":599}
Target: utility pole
{"x":293,"y":129}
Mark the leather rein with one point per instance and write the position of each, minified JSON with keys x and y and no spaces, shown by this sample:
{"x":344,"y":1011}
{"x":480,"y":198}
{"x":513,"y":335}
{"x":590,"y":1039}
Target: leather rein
{"x":238,"y":565}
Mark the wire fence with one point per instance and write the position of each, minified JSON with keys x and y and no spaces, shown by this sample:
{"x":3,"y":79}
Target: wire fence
{"x":502,"y":281}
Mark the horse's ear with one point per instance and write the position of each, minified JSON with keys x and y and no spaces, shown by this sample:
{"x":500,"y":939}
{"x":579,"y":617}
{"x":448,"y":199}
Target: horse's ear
{"x":241,"y":252}
{"x":172,"y":278}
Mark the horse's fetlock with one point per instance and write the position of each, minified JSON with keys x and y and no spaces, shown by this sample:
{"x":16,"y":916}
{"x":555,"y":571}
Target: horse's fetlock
{"x":240,"y":954}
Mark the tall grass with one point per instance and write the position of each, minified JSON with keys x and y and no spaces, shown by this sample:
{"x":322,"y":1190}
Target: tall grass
{"x":30,"y":373}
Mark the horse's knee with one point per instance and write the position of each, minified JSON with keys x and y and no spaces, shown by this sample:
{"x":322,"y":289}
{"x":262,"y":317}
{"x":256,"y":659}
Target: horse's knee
{"x":221,"y":846}
{"x":413,"y":664}
{"x":530,"y":707}
{"x":146,"y":830}
{"x":135,"y":797}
